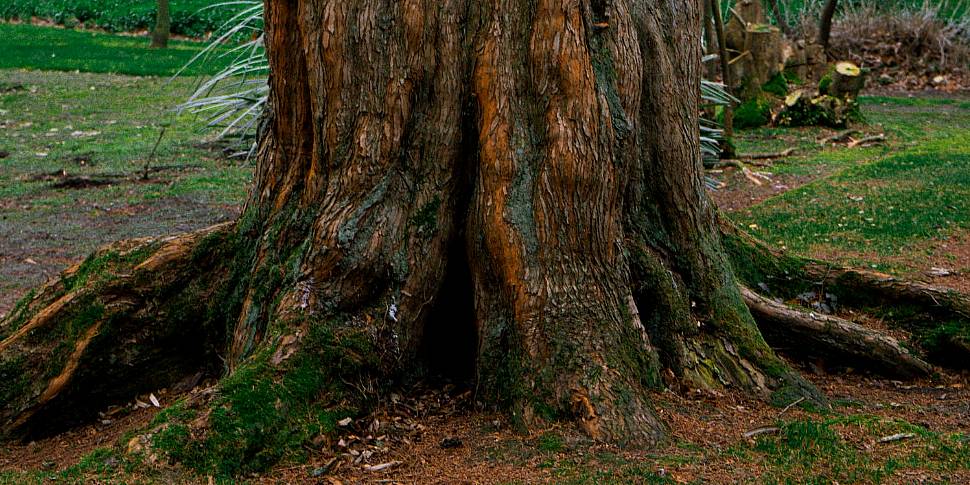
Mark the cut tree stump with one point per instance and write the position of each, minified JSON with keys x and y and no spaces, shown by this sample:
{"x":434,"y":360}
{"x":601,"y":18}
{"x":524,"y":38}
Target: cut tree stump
{"x":847,"y":80}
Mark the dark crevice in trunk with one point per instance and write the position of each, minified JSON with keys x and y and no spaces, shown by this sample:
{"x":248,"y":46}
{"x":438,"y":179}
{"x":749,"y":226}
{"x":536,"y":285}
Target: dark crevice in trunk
{"x":450,"y":344}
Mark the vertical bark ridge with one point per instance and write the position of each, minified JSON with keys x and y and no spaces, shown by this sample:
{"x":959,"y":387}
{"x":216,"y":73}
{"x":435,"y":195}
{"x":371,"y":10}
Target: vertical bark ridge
{"x":374,"y":197}
{"x":552,"y":270}
{"x":710,"y":340}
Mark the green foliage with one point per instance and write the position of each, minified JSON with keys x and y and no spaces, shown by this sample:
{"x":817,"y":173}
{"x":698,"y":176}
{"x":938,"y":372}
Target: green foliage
{"x":825,"y":83}
{"x":752,"y":113}
{"x":233,"y":98}
{"x":777,"y":86}
{"x":190,"y":18}
{"x":47,"y":48}
{"x":551,"y":443}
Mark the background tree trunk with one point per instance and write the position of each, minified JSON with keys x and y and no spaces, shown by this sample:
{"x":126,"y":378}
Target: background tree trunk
{"x":163,"y":23}
{"x":779,"y":19}
{"x":825,"y":24}
{"x":726,"y":76}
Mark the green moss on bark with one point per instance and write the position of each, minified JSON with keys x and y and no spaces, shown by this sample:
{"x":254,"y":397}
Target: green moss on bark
{"x":265,"y":413}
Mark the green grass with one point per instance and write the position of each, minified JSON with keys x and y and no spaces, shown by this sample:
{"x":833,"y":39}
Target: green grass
{"x":190,"y":18}
{"x":48,"y":48}
{"x":949,"y":9}
{"x":845,"y":449}
{"x":89,"y":124}
{"x":877,"y":200}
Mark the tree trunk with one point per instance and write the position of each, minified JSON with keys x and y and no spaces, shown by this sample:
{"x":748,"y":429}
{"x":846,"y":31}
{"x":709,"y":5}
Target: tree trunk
{"x":525,"y":171}
{"x":825,"y":24}
{"x":726,"y":77}
{"x":779,"y":19}
{"x":163,"y":23}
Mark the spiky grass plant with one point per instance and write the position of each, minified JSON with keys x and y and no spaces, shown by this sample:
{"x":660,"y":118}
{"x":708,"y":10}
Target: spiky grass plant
{"x":232,"y":100}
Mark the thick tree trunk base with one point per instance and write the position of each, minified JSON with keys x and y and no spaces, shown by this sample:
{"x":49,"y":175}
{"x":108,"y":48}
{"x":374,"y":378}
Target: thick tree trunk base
{"x":406,"y":138}
{"x":133,"y":314}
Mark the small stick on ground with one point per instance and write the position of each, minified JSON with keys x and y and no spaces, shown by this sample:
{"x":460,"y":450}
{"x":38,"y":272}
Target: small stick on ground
{"x":151,"y":156}
{"x":768,"y":156}
{"x":838,"y":137}
{"x":760,"y":431}
{"x":896,"y":437}
{"x":867,"y":140}
{"x":789,"y":406}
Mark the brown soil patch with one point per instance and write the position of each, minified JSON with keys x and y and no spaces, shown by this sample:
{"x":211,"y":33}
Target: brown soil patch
{"x":438,"y":437}
{"x":66,"y":449}
{"x":741,"y":193}
{"x":944,"y":263}
{"x":38,"y":243}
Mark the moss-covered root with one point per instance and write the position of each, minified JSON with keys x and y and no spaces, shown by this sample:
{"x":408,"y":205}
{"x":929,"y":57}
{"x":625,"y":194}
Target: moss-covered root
{"x":938,"y":319}
{"x":293,"y":390}
{"x":833,"y":336}
{"x":134,"y":316}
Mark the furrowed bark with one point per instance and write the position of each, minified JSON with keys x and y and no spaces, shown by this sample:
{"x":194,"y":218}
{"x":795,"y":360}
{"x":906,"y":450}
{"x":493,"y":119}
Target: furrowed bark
{"x":358,"y":183}
{"x":687,"y":293}
{"x":550,"y":275}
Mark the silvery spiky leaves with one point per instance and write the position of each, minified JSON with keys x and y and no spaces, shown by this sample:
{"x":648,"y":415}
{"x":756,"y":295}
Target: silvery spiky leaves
{"x":233,"y":100}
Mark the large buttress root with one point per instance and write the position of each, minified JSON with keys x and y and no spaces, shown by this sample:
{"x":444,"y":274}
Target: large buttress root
{"x":937,"y":319}
{"x":133,"y":317}
{"x":827,"y":335}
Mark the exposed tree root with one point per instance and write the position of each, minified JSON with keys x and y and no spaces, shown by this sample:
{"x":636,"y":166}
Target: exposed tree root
{"x":832,"y":336}
{"x":130,"y":318}
{"x":937,"y":318}
{"x":768,"y":156}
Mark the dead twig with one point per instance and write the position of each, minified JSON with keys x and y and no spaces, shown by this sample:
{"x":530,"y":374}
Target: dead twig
{"x":382,"y":466}
{"x":151,"y":156}
{"x":896,"y":437}
{"x":793,"y":403}
{"x":867,"y":140}
{"x":838,"y":137}
{"x":768,"y":156}
{"x":760,"y":431}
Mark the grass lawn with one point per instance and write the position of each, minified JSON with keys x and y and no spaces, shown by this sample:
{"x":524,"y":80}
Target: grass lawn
{"x":48,"y":48}
{"x":190,"y":18}
{"x":891,"y":206}
{"x":90,"y":125}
